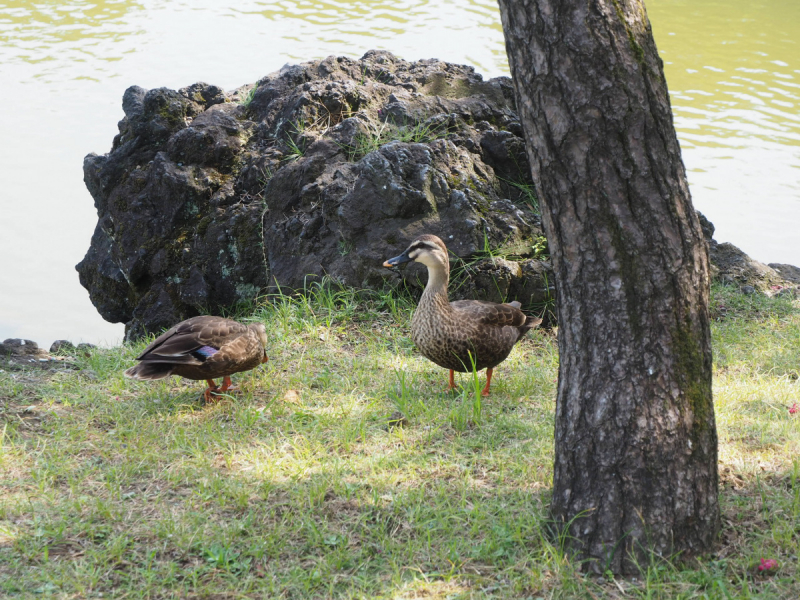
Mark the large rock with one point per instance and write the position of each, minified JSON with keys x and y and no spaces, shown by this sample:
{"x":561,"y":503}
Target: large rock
{"x":732,"y":266}
{"x":321,"y":170}
{"x":324,"y":169}
{"x":788,"y":272}
{"x":20,"y":347}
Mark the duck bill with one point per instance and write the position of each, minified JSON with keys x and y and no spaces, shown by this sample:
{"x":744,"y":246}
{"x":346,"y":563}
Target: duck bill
{"x":397,"y":260}
{"x":263,"y":360}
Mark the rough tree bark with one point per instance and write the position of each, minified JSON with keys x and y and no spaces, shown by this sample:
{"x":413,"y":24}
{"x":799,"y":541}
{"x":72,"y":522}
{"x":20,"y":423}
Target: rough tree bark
{"x":635,"y":437}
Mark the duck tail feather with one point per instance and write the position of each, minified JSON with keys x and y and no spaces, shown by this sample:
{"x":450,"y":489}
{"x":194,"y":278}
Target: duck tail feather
{"x":146,"y":371}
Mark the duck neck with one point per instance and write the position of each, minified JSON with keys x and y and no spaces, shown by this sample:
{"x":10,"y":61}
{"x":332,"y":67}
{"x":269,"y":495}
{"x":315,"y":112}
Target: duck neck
{"x":436,"y":288}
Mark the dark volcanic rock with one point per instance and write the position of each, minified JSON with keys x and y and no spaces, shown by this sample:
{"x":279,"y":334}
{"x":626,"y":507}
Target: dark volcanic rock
{"x":20,"y":347}
{"x":17,"y":353}
{"x":788,"y":272}
{"x":323,"y":169}
{"x":62,"y":347}
{"x":732,"y":266}
{"x":24,"y":355}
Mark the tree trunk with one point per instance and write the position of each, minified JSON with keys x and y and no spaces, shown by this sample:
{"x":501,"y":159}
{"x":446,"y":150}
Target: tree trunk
{"x":635,"y":439}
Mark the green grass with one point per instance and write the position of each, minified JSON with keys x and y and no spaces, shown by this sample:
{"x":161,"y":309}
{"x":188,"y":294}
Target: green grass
{"x":416,"y":133}
{"x":246,"y":99}
{"x":527,"y":194}
{"x":342,"y":470}
{"x":295,"y":150}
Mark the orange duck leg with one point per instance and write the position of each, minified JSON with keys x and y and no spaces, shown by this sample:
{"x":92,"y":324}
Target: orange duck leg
{"x":212,"y":389}
{"x":452,"y":381}
{"x":485,"y":391}
{"x":227,"y":386}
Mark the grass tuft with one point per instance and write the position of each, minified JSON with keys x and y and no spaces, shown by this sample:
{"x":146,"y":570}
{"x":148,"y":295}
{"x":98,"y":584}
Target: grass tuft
{"x":247,"y":98}
{"x":415,"y":133}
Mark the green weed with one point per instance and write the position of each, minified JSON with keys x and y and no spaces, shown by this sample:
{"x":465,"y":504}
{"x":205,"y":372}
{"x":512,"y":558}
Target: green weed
{"x":527,"y":193}
{"x":295,"y":145}
{"x":248,"y":97}
{"x":416,"y":133}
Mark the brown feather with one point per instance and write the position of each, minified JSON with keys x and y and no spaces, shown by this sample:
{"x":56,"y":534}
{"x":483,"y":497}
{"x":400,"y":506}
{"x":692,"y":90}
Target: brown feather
{"x":148,"y":371}
{"x":239,"y":348}
{"x":454,"y":335}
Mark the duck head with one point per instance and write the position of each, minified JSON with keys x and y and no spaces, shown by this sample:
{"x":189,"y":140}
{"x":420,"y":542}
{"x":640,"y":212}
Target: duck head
{"x":261,"y":332}
{"x":426,"y":249}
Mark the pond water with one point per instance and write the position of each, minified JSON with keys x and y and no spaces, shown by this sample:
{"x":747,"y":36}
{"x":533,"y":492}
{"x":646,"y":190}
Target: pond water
{"x":733,"y":70}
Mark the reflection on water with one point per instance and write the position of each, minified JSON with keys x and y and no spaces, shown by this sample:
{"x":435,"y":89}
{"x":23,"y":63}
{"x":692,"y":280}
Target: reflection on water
{"x":732,"y":68}
{"x":77,"y":37}
{"x":732,"y":78}
{"x":430,"y":29}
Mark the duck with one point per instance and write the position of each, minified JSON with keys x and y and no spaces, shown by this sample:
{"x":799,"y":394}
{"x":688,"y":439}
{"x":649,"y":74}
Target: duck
{"x":463,"y":334}
{"x":204,"y":347}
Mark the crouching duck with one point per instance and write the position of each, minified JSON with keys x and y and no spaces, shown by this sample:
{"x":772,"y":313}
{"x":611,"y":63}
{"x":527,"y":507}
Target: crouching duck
{"x":456,"y":335}
{"x":204,"y":348}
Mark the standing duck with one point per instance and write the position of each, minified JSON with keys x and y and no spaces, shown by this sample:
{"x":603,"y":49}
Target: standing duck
{"x":204,"y":348}
{"x":454,"y":335}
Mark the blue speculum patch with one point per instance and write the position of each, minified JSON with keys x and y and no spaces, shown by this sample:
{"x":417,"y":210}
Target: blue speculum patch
{"x":206,"y":351}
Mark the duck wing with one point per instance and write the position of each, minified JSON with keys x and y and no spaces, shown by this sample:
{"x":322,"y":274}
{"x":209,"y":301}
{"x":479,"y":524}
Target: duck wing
{"x":241,"y":353}
{"x":193,"y":341}
{"x":492,"y":314}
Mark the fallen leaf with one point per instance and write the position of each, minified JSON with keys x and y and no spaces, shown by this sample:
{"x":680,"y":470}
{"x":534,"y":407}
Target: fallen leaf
{"x":292,"y":396}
